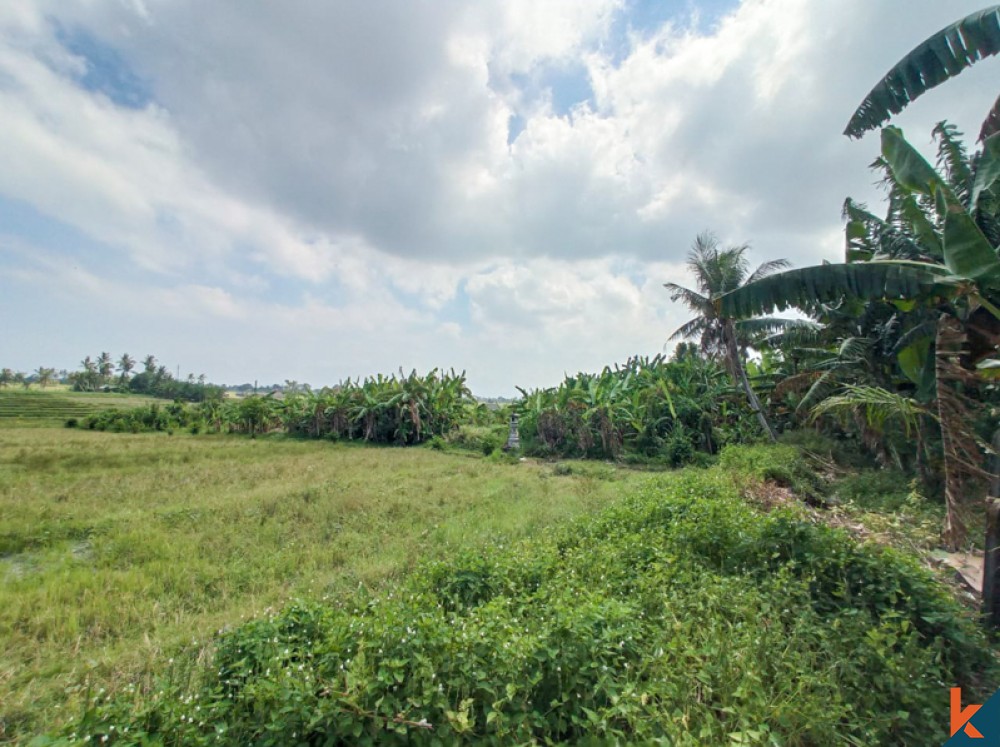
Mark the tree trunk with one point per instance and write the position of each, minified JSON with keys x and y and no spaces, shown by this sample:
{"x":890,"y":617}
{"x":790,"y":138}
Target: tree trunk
{"x":739,"y":373}
{"x":991,"y":558}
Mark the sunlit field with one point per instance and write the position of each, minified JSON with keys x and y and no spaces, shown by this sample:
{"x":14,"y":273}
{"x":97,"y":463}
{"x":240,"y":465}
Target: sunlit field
{"x":118,"y":550}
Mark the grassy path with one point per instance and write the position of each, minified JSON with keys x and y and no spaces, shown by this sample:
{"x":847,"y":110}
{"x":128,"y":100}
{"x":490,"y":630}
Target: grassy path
{"x":115,"y":550}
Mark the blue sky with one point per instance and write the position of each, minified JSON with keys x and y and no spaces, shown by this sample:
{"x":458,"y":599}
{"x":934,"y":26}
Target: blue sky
{"x":332,"y":190}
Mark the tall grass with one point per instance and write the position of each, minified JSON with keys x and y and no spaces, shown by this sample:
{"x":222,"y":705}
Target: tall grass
{"x":115,"y":550}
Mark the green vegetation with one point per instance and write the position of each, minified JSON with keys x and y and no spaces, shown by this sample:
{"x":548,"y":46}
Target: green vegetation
{"x":647,"y":409}
{"x":679,"y":614}
{"x":33,"y":407}
{"x":911,"y":322}
{"x":456,"y":594}
{"x":116,"y":550}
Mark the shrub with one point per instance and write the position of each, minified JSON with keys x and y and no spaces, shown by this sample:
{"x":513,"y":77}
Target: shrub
{"x":484,"y":439}
{"x":782,"y":464}
{"x":678,"y":616}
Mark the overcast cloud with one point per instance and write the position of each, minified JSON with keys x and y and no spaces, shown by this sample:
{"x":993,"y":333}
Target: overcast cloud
{"x":314,"y":190}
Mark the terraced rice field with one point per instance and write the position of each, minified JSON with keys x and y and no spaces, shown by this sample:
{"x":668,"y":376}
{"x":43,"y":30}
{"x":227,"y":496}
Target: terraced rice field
{"x":46,"y":408}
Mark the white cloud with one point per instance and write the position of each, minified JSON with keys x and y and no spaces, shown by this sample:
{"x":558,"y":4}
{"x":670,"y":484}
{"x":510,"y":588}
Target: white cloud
{"x":339,"y":176}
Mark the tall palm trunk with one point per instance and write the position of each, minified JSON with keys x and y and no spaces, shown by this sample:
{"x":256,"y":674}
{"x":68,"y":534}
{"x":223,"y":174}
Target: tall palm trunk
{"x":739,"y":374}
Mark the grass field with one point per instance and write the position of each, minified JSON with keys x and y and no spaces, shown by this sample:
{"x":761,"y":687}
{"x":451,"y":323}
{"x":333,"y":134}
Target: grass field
{"x":52,"y":407}
{"x":118,"y":550}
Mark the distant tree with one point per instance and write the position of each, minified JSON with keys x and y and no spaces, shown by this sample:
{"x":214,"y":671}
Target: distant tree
{"x":88,"y":379}
{"x":149,"y":364}
{"x":105,"y":367}
{"x":125,"y":365}
{"x":201,"y":379}
{"x":20,"y":378}
{"x":6,"y":378}
{"x":43,"y":376}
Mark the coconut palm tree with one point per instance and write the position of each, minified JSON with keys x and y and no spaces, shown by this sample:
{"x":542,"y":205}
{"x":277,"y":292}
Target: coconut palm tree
{"x":718,"y":271}
{"x":125,"y":365}
{"x":105,"y":367}
{"x":43,"y":376}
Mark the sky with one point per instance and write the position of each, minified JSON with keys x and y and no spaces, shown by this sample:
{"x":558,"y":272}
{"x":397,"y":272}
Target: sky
{"x":315,"y":190}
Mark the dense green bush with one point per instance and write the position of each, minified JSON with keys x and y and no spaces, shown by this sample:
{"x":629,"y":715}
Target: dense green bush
{"x":484,"y":439}
{"x":679,"y":616}
{"x":149,"y":418}
{"x":650,"y":409}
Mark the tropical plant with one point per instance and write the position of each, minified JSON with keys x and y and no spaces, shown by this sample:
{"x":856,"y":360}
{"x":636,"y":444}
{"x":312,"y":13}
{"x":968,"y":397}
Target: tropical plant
{"x":942,"y":56}
{"x":939,"y":261}
{"x":646,"y":408}
{"x":125,"y":366}
{"x":717,"y":272}
{"x":105,"y":367}
{"x":43,"y":376}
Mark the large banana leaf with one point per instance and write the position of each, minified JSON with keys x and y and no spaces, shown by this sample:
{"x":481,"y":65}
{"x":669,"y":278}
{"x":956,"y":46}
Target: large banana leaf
{"x":807,"y":287}
{"x":910,"y":169}
{"x":942,"y":56}
{"x":987,"y":170}
{"x":966,"y":251}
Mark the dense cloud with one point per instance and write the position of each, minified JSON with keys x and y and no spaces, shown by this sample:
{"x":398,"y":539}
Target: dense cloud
{"x":500,"y":186}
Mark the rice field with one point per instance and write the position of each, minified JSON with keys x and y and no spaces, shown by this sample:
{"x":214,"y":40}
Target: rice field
{"x":118,"y":551}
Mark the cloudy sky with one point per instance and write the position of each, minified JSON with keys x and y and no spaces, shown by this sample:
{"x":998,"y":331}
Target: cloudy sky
{"x":319,"y":189}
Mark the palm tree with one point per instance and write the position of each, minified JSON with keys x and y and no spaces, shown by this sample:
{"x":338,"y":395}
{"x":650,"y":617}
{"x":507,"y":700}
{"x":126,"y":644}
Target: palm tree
{"x":719,"y":271}
{"x":6,"y":377}
{"x":43,"y":376}
{"x":125,"y":365}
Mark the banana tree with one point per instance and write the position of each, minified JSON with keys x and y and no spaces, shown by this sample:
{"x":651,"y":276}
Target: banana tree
{"x":956,"y":274}
{"x":942,"y":56}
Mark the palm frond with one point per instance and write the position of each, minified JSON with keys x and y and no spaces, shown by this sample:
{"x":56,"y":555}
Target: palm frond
{"x":877,"y":405}
{"x":944,"y":55}
{"x":991,"y":125}
{"x":689,"y":329}
{"x":691,"y":299}
{"x":953,"y":159}
{"x":770,"y":325}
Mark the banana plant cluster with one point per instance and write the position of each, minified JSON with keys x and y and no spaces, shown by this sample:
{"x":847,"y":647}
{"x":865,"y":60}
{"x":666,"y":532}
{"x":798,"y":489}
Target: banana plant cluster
{"x":403,"y":409}
{"x":649,"y":406}
{"x":929,"y":272}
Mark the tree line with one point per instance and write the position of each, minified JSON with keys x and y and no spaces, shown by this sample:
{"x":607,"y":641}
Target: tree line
{"x":104,"y":373}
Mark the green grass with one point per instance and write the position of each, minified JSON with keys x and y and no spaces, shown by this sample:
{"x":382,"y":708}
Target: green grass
{"x":117,"y":550}
{"x":677,"y":615}
{"x":50,"y":407}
